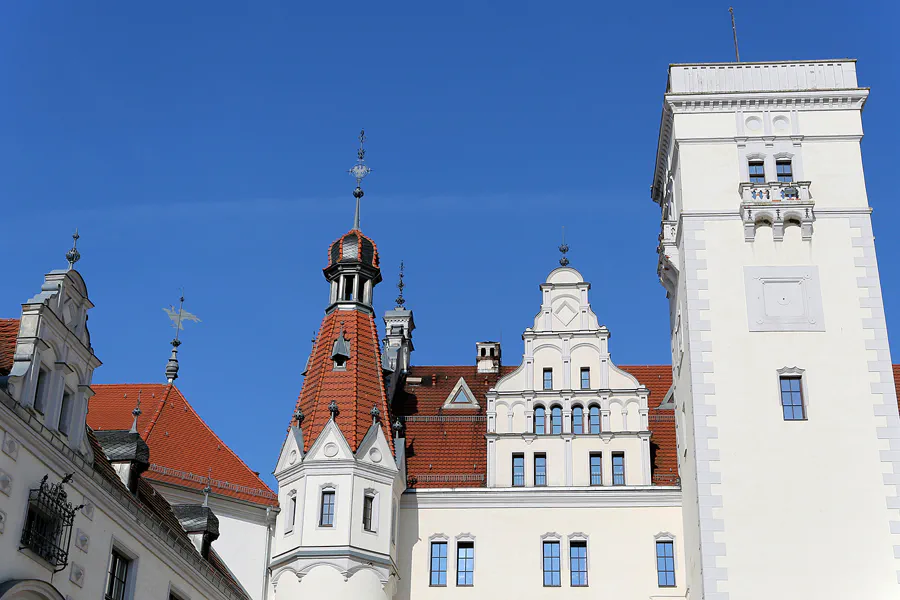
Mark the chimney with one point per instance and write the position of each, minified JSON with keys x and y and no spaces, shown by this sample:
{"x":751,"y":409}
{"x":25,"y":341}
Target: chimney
{"x":487,"y":357}
{"x":128,"y":453}
{"x":200,"y":523}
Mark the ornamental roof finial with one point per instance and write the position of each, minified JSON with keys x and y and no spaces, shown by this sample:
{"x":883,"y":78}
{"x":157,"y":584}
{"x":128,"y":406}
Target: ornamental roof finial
{"x":299,"y":416}
{"x":564,"y":248}
{"x":376,"y":414}
{"x":73,"y":255}
{"x":397,"y":427}
{"x":136,"y":412}
{"x":333,"y":409}
{"x":359,"y":171}
{"x":178,"y":318}
{"x":207,"y":489}
{"x":400,"y":285}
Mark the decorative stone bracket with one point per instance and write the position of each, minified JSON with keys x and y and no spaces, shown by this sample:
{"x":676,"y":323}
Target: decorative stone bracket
{"x":777,"y":214}
{"x":667,"y":267}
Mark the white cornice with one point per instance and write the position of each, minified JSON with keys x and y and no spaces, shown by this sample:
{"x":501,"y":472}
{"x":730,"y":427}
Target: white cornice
{"x":802,"y":100}
{"x":568,"y":497}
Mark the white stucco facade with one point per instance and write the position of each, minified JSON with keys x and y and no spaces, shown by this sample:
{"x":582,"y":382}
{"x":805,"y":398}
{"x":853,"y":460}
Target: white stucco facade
{"x":773,"y":279}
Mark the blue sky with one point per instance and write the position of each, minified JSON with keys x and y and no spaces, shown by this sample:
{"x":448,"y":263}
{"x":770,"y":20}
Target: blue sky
{"x":206,"y":146}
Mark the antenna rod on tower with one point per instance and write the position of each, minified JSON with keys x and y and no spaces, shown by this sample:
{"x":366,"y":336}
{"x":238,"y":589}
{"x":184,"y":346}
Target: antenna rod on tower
{"x":737,"y":55}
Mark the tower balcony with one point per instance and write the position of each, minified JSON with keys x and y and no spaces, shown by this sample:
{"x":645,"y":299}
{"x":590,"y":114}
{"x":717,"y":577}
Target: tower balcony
{"x":776,"y":204}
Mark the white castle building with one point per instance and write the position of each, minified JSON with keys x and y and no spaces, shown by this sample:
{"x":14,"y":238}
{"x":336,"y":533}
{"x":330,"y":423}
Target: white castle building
{"x":764,"y":462}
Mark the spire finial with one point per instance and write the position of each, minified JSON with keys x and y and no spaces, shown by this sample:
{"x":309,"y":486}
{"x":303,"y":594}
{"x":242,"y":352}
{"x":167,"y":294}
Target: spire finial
{"x":400,"y":285}
{"x":178,"y":318}
{"x":136,"y":412}
{"x":359,"y":171}
{"x":73,"y":255}
{"x":208,"y":488}
{"x":737,"y":55}
{"x":397,"y":427}
{"x":299,"y":416}
{"x":564,"y":248}
{"x":376,"y":414}
{"x":333,"y":409}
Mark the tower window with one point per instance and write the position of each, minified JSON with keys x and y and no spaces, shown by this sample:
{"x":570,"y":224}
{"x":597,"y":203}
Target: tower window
{"x":65,"y":413}
{"x":548,"y":379}
{"x":618,"y":468}
{"x":596,"y":468}
{"x":291,"y":516}
{"x":117,"y":578}
{"x":438,"y":563}
{"x":585,"y":378}
{"x":577,"y":420}
{"x":349,"y":282}
{"x":326,"y":514}
{"x":465,"y":563}
{"x":540,"y":420}
{"x":578,"y":563}
{"x":368,"y":505}
{"x":518,"y":467}
{"x":665,"y":563}
{"x":40,"y":392}
{"x":555,"y":420}
{"x":595,"y":419}
{"x":784,"y":171}
{"x":540,"y":469}
{"x":757,"y":170}
{"x":792,"y":398}
{"x":551,"y":564}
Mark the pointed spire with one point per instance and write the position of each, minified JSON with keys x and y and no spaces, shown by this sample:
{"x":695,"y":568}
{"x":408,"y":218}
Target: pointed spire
{"x":73,"y":255}
{"x":564,"y":248}
{"x":136,"y":413}
{"x":208,"y":488}
{"x":359,"y":171}
{"x":400,"y":285}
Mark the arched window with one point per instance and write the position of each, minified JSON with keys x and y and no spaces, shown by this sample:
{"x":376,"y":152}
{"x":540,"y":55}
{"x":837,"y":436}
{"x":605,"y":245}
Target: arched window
{"x":556,"y":420}
{"x":595,"y":419}
{"x":540,"y":420}
{"x":577,"y":420}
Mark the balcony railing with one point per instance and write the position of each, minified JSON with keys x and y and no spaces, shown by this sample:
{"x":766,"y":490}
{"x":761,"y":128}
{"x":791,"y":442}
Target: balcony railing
{"x":774,"y":191}
{"x":776,"y":204}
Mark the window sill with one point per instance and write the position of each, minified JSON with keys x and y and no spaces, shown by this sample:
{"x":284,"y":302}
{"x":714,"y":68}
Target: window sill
{"x":38,"y":559}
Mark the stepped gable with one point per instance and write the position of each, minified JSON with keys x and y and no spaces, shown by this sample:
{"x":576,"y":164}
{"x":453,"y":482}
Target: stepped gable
{"x":355,"y":389}
{"x":430,"y":430}
{"x":182,"y":446}
{"x":9,"y":332}
{"x":663,"y":443}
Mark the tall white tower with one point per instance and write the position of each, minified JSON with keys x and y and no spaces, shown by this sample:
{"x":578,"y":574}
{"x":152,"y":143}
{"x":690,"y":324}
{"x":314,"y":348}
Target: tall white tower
{"x":788,"y":431}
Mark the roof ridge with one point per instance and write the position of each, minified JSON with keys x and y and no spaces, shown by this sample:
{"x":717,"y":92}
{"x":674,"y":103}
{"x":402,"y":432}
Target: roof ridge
{"x":221,"y":442}
{"x":155,"y":417}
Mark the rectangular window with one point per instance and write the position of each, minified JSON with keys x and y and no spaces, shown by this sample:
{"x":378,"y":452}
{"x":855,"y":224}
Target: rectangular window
{"x":540,"y":469}
{"x":784,"y":171}
{"x":792,"y":398}
{"x":438,"y":563}
{"x":465,"y":563}
{"x":551,"y":564}
{"x":65,"y":414}
{"x":518,"y":467}
{"x":577,"y":420}
{"x":578,"y":563}
{"x":585,"y":378}
{"x":326,"y":516}
{"x":40,"y":391}
{"x":118,"y":576}
{"x":548,"y":379}
{"x":618,"y":466}
{"x":757,"y":171}
{"x":596,"y":468}
{"x":665,"y":564}
{"x":291,"y":516}
{"x":368,"y":504}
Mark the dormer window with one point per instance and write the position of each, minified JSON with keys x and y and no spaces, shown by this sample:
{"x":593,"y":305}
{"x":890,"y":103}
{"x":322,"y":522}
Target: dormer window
{"x":757,"y":169}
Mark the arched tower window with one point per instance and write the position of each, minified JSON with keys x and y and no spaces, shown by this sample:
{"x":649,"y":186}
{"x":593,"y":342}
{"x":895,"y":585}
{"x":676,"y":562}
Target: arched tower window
{"x":540,"y":420}
{"x":595,"y":419}
{"x":577,"y":420}
{"x":556,"y":420}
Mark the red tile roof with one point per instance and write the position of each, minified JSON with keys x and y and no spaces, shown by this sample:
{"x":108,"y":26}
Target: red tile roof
{"x":182,"y":446}
{"x":356,"y":389}
{"x":9,"y":331}
{"x":663,"y":446}
{"x":429,"y":429}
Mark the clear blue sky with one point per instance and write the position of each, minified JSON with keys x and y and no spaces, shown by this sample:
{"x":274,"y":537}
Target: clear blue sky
{"x":205,"y":145}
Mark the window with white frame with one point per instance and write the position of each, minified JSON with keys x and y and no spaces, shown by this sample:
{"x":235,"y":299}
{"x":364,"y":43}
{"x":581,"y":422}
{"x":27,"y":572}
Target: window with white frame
{"x":578,"y":563}
{"x":757,"y":171}
{"x":290,"y":516}
{"x":518,"y":470}
{"x":594,"y":418}
{"x":368,"y":510}
{"x":577,"y":419}
{"x":792,"y":402}
{"x":438,"y":571}
{"x":665,"y":563}
{"x":540,"y":469}
{"x":465,"y":563}
{"x":40,"y":390}
{"x":556,"y":420}
{"x":784,"y":170}
{"x":548,"y":379}
{"x":618,"y":468}
{"x":118,"y":576}
{"x":585,"y":378}
{"x":596,"y":468}
{"x":551,"y":564}
{"x":540,"y":420}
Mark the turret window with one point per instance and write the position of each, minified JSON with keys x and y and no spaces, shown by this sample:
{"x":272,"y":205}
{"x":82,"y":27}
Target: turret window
{"x":555,"y":420}
{"x":368,"y":506}
{"x":540,"y":420}
{"x":326,"y":514}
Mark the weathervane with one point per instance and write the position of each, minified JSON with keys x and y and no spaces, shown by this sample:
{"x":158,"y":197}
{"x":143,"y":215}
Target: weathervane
{"x":359,"y":171}
{"x":564,"y":248}
{"x":400,"y":285}
{"x":73,"y":255}
{"x":178,"y":318}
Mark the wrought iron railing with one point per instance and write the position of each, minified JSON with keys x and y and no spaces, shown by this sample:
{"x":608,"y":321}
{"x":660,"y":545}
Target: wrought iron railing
{"x":48,"y":524}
